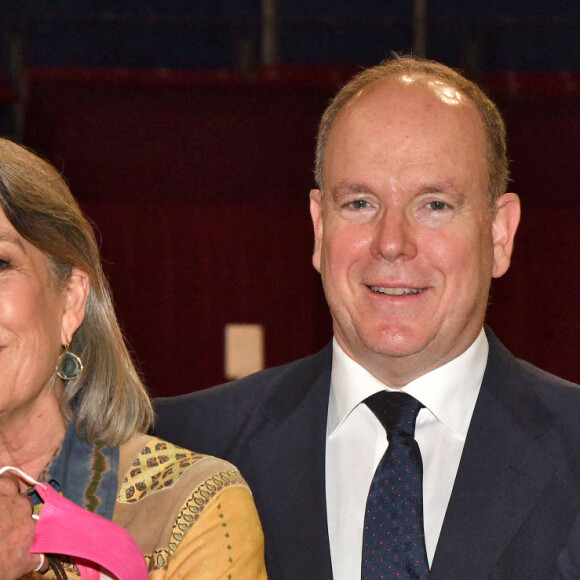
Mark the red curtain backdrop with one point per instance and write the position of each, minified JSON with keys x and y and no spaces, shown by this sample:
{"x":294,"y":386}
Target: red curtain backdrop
{"x":198,"y":187}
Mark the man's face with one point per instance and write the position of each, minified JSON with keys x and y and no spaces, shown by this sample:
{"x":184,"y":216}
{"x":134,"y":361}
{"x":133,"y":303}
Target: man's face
{"x":404,"y":236}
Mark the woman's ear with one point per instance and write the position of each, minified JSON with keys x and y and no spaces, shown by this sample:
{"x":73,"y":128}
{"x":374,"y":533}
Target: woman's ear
{"x":76,"y":293}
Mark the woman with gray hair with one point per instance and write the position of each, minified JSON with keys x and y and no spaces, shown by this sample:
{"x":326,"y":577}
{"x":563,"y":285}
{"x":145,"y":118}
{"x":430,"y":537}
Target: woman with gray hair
{"x":74,"y":413}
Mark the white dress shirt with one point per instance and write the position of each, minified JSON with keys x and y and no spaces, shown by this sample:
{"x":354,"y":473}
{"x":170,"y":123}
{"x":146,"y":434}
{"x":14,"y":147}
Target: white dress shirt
{"x":356,"y":442}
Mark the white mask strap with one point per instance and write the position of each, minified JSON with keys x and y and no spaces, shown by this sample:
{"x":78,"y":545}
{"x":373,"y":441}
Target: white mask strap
{"x":29,"y":480}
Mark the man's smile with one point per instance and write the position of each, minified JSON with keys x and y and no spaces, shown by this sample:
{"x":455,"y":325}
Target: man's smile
{"x":399,"y":291}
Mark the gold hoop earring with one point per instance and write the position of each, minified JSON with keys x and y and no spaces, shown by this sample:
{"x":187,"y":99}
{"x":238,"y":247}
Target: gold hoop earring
{"x":69,"y":366}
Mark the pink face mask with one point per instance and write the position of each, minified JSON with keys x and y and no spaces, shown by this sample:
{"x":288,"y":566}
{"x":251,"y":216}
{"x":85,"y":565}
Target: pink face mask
{"x":91,"y":541}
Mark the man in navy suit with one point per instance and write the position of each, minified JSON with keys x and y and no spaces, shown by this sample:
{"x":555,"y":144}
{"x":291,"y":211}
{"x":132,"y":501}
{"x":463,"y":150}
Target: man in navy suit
{"x":411,"y":222}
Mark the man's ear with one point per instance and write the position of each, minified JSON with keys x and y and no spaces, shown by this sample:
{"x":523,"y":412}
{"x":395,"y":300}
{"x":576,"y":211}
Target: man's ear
{"x":75,"y":300}
{"x":504,"y":228}
{"x":316,"y":214}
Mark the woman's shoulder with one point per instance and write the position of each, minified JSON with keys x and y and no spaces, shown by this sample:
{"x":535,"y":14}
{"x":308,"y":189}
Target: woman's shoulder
{"x":188,"y":512}
{"x":148,"y":465}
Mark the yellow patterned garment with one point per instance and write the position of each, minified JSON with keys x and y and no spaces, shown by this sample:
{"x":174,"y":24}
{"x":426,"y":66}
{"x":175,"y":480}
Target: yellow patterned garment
{"x":192,"y":515}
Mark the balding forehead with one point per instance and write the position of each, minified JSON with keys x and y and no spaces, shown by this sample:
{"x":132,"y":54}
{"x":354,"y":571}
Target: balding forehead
{"x":441,"y":89}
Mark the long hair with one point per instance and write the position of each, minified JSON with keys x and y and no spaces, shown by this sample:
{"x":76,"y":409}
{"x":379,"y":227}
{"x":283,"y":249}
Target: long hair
{"x":109,"y":400}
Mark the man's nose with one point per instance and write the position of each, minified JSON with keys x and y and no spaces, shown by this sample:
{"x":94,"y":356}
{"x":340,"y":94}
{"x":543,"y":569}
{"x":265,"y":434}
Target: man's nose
{"x":394,"y":236}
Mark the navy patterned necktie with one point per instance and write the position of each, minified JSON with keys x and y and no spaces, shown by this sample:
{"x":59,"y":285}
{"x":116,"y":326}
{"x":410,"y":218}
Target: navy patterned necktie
{"x":393,"y":535}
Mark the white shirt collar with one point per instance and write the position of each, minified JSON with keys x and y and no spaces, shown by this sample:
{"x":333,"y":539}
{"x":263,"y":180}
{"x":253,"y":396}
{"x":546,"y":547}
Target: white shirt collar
{"x":449,"y":392}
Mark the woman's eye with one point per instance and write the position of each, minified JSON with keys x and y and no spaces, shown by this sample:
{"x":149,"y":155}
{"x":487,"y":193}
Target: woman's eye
{"x":4,"y":264}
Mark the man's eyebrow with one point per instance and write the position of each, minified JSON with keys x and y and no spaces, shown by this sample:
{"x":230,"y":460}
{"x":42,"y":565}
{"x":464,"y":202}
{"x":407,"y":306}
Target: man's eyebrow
{"x":345,"y":188}
{"x":349,"y":188}
{"x":11,"y":239}
{"x":442,"y":186}
{"x":446,"y":188}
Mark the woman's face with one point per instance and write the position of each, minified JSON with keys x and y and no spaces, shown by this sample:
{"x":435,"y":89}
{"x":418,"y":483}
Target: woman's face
{"x":33,"y":324}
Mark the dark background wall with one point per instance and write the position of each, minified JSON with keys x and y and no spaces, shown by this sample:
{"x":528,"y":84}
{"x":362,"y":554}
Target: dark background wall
{"x":196,"y":169}
{"x":200,"y":194}
{"x":212,"y":34}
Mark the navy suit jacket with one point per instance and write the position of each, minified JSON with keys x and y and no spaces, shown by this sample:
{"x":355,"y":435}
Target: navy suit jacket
{"x":516,"y":494}
{"x":569,"y":560}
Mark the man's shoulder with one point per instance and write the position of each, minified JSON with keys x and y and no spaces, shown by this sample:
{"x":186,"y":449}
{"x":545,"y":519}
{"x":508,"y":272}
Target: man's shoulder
{"x":522,"y":383}
{"x":553,"y":389}
{"x":211,"y":420}
{"x":303,"y":370}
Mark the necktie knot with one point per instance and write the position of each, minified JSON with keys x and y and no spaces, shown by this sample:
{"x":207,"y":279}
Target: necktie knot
{"x":396,"y":411}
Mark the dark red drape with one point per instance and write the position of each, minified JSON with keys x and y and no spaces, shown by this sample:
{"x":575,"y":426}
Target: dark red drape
{"x":199,"y":190}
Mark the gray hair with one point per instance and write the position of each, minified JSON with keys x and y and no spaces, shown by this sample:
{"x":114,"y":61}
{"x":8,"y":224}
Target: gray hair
{"x":109,"y":399}
{"x":398,"y":66}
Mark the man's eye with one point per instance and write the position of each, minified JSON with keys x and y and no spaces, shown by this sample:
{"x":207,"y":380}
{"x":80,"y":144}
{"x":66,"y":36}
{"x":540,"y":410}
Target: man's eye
{"x":437,"y":205}
{"x":4,"y":264}
{"x":359,"y":204}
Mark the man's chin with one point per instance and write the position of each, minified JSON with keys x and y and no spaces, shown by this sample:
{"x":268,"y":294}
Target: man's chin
{"x":394,"y":349}
{"x":398,"y":344}
{"x":395,"y":342}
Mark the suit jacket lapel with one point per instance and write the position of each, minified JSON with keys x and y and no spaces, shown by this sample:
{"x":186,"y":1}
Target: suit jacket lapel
{"x":293,"y":420}
{"x":508,"y":458}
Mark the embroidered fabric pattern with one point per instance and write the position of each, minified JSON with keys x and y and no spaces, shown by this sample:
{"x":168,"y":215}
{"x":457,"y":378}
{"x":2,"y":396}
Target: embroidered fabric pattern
{"x":191,"y":511}
{"x":148,"y":475}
